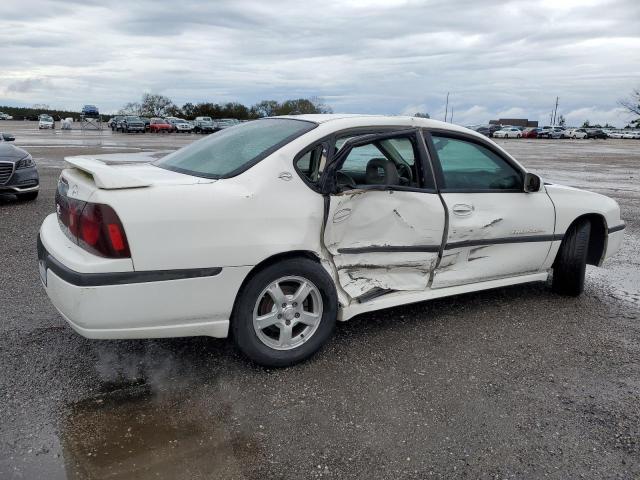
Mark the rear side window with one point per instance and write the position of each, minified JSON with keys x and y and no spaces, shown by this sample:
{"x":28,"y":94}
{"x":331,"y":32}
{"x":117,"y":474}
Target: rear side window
{"x":311,"y":163}
{"x":469,"y":166}
{"x":234,"y":149}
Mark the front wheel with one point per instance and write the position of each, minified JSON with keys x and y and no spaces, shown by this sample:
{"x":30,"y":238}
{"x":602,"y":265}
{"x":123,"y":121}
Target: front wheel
{"x":571,"y":262}
{"x":285,"y":313}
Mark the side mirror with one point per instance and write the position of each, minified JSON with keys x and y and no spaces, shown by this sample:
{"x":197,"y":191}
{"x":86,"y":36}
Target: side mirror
{"x":532,"y":182}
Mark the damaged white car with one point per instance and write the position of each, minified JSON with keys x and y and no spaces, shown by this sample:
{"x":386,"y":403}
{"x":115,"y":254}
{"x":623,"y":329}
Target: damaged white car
{"x":274,"y":229}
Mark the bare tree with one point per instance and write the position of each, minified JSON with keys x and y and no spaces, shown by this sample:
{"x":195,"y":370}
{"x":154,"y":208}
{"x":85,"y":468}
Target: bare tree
{"x":131,"y":108}
{"x":266,"y":108}
{"x":154,"y":105}
{"x":632,"y":103}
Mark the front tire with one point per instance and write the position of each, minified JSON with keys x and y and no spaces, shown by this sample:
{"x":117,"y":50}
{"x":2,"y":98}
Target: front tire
{"x":285,"y":313}
{"x":571,"y":261}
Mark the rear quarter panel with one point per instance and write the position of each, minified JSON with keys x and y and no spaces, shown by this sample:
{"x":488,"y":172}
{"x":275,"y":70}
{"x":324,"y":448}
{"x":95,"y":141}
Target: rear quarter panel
{"x":231,"y":222}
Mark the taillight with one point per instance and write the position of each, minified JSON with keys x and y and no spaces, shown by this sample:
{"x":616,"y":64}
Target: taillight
{"x":94,"y":226}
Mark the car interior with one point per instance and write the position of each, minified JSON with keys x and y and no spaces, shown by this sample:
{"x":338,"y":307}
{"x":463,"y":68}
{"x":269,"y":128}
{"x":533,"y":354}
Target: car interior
{"x":389,"y":162}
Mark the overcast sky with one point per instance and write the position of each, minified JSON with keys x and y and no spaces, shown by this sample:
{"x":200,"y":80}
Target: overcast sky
{"x":497,"y":58}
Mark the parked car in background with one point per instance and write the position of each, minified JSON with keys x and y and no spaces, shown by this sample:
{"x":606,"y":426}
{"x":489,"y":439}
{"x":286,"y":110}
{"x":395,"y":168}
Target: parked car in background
{"x":5,"y":116}
{"x":180,"y":125}
{"x":90,"y":111}
{"x":545,"y":132}
{"x":18,"y":172}
{"x":558,"y":132}
{"x":168,"y":250}
{"x":147,"y":122}
{"x":530,"y":132}
{"x":204,"y":125}
{"x":46,"y":122}
{"x":508,"y":132}
{"x":130,"y":123}
{"x":577,"y":133}
{"x":226,"y":123}
{"x":160,"y":125}
{"x":113,"y":122}
{"x":6,"y":137}
{"x":482,"y":130}
{"x":596,"y":133}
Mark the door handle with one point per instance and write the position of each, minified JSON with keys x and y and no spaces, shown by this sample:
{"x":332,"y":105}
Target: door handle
{"x":462,"y":209}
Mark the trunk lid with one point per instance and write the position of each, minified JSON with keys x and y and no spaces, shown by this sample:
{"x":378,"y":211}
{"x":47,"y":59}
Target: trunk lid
{"x":120,"y":171}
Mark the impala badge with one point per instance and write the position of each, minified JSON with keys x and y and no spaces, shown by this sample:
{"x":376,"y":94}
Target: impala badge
{"x":286,"y":176}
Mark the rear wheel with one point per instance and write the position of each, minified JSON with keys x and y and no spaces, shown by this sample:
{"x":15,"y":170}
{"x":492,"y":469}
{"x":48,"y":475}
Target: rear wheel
{"x":285,"y":313}
{"x":571,"y":261}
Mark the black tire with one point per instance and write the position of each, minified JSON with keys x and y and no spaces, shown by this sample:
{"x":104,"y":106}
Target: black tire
{"x":28,"y":196}
{"x":571,"y":261}
{"x":243,"y":332}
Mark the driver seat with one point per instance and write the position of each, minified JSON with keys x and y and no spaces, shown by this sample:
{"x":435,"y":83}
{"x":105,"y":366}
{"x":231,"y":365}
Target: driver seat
{"x":381,"y":171}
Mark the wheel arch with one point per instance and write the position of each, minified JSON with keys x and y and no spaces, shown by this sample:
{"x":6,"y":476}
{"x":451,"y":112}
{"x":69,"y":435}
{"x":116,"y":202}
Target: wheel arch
{"x":278,"y":257}
{"x":598,"y":238}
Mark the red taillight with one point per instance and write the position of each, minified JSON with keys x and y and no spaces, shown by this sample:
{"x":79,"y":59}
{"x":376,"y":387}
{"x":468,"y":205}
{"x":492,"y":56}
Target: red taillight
{"x":94,"y":226}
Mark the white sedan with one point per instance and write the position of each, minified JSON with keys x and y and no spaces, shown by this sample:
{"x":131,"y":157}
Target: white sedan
{"x":274,"y":229}
{"x":510,"y":132}
{"x":577,"y":133}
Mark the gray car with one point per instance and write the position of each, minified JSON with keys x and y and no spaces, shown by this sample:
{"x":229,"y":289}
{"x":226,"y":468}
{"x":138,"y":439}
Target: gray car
{"x":18,"y":172}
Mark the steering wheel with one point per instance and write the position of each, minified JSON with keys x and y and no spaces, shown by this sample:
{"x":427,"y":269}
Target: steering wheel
{"x":404,"y":168}
{"x":344,"y":180}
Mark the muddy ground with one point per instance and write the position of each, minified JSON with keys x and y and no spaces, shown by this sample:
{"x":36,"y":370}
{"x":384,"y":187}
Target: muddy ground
{"x":510,"y":383}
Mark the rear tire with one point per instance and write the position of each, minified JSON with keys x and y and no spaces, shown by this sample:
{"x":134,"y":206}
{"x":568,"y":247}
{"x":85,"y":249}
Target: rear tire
{"x":269,"y":346}
{"x":571,"y":261}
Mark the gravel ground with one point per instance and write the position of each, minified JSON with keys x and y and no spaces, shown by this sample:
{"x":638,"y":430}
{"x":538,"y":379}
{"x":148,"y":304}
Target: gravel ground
{"x":510,"y":383}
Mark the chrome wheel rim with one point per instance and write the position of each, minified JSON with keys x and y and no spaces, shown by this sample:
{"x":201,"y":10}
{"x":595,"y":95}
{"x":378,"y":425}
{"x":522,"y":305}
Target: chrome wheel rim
{"x":287,"y":313}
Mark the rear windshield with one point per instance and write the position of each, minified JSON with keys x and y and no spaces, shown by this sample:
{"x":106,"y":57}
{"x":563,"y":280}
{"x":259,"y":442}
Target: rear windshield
{"x":234,"y":149}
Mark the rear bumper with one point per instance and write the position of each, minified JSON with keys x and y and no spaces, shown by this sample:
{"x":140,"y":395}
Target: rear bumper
{"x":111,"y":305}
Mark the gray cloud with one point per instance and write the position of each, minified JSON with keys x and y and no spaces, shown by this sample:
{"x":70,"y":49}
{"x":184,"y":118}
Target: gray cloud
{"x":369,"y":56}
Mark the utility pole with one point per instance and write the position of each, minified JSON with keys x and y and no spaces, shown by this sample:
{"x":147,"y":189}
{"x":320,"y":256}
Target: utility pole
{"x":446,"y":107}
{"x":451,"y":117}
{"x":555,"y":113}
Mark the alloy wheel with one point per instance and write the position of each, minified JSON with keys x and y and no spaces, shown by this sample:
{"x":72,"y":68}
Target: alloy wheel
{"x":287,"y":313}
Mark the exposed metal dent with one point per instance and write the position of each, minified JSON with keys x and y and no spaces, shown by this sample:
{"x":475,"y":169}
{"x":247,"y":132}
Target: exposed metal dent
{"x":402,"y":219}
{"x":492,"y":223}
{"x":384,"y":240}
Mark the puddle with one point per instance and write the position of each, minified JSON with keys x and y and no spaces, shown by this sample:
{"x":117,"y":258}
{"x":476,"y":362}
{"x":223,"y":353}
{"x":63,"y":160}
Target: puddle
{"x":134,"y":432}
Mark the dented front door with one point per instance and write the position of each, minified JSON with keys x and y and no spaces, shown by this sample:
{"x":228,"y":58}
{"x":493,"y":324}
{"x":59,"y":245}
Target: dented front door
{"x":384,"y":240}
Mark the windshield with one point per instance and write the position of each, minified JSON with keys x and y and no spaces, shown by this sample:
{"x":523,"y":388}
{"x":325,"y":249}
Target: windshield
{"x":133,"y":119}
{"x":234,"y":149}
{"x":46,"y":118}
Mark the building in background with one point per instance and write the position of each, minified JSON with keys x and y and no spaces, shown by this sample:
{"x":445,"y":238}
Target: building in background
{"x":516,"y":122}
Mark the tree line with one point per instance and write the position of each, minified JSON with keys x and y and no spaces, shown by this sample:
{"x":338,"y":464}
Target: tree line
{"x":154,"y":105}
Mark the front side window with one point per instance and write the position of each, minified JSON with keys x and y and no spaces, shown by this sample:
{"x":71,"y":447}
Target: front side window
{"x":469,"y":166}
{"x":390,"y":162}
{"x":230,"y":151}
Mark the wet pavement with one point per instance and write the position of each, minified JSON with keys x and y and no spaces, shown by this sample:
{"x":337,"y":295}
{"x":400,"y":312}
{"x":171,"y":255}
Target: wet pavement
{"x":510,"y":383}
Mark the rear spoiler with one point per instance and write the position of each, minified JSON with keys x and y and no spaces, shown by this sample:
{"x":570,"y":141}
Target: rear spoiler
{"x":107,"y":175}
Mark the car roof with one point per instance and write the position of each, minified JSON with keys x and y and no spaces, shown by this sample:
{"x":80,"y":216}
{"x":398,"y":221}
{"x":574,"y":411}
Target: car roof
{"x":348,"y":120}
